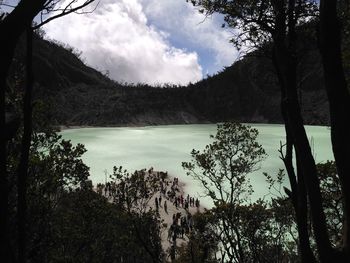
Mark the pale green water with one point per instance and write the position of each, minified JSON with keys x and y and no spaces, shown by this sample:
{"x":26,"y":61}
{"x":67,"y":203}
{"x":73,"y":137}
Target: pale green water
{"x":165,"y":147}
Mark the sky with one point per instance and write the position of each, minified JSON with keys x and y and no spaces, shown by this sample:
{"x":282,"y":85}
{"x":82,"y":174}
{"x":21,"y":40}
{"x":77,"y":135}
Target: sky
{"x":148,"y":41}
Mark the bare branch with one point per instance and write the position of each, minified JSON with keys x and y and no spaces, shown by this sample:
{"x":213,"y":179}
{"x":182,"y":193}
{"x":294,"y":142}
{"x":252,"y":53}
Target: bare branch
{"x":7,"y":5}
{"x":67,"y":10}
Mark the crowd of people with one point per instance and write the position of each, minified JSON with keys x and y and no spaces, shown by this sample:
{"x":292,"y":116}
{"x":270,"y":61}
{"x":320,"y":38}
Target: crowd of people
{"x":182,"y":221}
{"x":181,"y":225}
{"x":108,"y":190}
{"x":187,"y":202}
{"x":170,"y":193}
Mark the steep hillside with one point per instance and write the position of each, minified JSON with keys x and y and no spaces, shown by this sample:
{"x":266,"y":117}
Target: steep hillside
{"x":247,"y":91}
{"x":79,"y":95}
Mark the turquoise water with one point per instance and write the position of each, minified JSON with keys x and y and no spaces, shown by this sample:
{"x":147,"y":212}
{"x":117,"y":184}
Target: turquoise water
{"x":165,"y":147}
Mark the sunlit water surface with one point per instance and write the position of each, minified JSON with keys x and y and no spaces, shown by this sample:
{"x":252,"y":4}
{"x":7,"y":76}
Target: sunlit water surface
{"x":165,"y":147}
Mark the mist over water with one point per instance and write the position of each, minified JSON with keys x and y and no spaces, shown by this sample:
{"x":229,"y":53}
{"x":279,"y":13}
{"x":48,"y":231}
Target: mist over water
{"x":165,"y":147}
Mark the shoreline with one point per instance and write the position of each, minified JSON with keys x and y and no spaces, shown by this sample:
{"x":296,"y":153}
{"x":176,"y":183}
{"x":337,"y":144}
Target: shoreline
{"x":74,"y":127}
{"x":62,"y":128}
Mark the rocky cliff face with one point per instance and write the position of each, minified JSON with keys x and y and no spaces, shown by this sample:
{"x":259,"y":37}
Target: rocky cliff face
{"x":247,"y":91}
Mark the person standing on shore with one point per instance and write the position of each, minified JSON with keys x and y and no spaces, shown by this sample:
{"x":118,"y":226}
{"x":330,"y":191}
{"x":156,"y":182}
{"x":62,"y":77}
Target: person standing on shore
{"x":157,"y":205}
{"x":197,"y":203}
{"x":165,"y":207}
{"x":186,"y":205}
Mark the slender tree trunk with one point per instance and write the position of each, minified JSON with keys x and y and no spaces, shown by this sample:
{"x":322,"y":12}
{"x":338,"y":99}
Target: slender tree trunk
{"x":26,"y":140}
{"x":299,"y":200}
{"x":307,"y":256}
{"x":339,"y":104}
{"x":7,"y":49}
{"x":285,"y":61}
{"x":4,"y":234}
{"x":299,"y":196}
{"x":11,"y":27}
{"x":304,"y":153}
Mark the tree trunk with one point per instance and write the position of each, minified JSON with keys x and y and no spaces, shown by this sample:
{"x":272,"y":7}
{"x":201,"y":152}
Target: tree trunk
{"x":4,"y":234}
{"x":26,"y":140}
{"x":7,"y":49}
{"x":12,"y":27}
{"x":285,"y":61}
{"x":307,"y":256}
{"x":339,"y":104}
{"x":299,"y":196}
{"x":307,"y":166}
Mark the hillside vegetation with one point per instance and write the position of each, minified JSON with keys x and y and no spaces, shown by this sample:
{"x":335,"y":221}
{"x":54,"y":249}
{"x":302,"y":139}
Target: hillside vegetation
{"x":77,"y":94}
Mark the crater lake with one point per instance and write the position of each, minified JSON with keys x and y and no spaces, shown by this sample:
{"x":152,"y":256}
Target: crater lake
{"x":165,"y":147}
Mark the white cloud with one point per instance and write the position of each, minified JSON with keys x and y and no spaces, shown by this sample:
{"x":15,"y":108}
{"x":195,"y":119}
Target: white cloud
{"x":118,"y":38}
{"x":185,"y":23}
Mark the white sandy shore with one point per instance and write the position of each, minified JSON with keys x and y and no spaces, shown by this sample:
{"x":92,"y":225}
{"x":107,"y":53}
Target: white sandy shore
{"x":130,"y":125}
{"x":72,"y":127}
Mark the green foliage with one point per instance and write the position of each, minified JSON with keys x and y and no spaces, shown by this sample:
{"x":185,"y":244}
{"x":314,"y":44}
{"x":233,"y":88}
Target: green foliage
{"x":86,"y":227}
{"x":203,"y":244}
{"x":57,"y":162}
{"x":236,"y":229}
{"x":260,"y":232}
{"x":66,"y":220}
{"x":55,"y":169}
{"x":241,"y":231}
{"x":332,"y":200}
{"x":133,"y":191}
{"x":254,"y":21}
{"x":132,"y":194}
{"x":70,"y":223}
{"x":257,"y":232}
{"x":222,"y":167}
